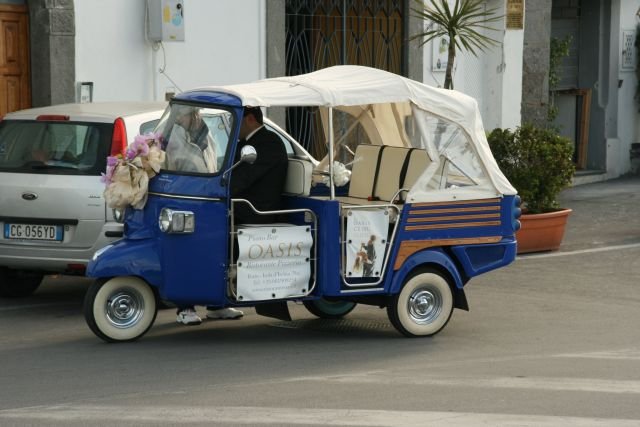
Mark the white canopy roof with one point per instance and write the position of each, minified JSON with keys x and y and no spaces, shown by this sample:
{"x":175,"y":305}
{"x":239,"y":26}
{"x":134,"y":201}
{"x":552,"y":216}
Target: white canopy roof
{"x":350,"y":86}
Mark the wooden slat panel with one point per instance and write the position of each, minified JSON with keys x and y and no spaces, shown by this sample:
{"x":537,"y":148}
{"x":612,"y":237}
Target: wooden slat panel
{"x":453,"y":218}
{"x":454,"y":210}
{"x":409,"y":247}
{"x":460,"y":202}
{"x":454,"y":225}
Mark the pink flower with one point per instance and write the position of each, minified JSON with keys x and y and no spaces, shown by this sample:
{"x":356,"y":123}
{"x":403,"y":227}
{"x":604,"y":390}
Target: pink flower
{"x":129,"y":153}
{"x":112,"y":161}
{"x":140,"y":147}
{"x":154,"y":139}
{"x":141,"y":139}
{"x":107,"y":178}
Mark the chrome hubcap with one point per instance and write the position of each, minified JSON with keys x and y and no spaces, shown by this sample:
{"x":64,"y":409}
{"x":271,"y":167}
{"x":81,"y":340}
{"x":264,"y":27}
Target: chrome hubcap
{"x":425,"y":305}
{"x":125,"y":308}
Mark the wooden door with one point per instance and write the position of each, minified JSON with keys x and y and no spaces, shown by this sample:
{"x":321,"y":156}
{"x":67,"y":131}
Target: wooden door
{"x":15,"y":86}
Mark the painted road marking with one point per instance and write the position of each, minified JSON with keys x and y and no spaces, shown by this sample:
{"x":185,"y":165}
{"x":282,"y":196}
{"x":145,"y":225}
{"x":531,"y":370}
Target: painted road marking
{"x":527,"y":383}
{"x":579,"y":252}
{"x":165,"y":415}
{"x":29,"y":306}
{"x":626,"y":354}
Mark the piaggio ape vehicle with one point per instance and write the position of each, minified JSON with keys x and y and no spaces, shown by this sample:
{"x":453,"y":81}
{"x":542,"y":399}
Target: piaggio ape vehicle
{"x":406,"y":205}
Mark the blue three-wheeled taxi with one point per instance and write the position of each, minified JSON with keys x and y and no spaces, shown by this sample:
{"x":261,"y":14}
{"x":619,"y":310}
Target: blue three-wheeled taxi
{"x":399,"y":206}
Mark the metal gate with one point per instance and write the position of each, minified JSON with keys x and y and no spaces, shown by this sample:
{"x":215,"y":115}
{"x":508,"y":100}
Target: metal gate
{"x":322,"y":33}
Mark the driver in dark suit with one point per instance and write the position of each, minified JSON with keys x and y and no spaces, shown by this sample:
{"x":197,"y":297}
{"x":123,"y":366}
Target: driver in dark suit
{"x":262,"y":182}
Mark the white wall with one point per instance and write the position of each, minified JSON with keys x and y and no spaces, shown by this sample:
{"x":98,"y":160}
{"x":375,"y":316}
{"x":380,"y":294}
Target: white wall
{"x":224,"y":44}
{"x":627,"y":106}
{"x":511,"y":81}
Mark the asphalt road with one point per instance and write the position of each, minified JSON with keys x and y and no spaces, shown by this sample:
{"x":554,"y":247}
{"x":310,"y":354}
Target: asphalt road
{"x":551,"y":340}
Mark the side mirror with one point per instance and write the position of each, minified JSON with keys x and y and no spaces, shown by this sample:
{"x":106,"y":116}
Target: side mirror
{"x":248,"y":154}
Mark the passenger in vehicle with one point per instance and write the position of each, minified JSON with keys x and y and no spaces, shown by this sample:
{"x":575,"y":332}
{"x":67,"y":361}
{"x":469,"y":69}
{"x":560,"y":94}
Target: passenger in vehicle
{"x":261,"y":183}
{"x":40,"y":155}
{"x":58,"y":144}
{"x":190,"y":147}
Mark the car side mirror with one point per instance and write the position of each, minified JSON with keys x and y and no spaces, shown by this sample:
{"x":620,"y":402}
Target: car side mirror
{"x":248,"y":154}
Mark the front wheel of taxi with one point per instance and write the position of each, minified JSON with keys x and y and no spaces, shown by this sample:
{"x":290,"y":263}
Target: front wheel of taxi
{"x":424,"y":305}
{"x":120,"y":309}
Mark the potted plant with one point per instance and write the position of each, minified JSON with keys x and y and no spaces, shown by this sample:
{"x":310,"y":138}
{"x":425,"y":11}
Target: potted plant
{"x":539,"y":164}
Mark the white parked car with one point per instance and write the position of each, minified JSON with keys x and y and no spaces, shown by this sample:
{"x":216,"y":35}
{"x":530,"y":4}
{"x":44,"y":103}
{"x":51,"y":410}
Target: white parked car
{"x":52,"y":212}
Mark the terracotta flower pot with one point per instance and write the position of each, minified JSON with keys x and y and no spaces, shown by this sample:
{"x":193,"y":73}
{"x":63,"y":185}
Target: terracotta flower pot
{"x":542,"y":232}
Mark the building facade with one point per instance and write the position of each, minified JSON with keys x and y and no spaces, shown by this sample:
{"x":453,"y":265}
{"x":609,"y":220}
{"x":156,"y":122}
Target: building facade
{"x":66,"y":45}
{"x":596,"y":96}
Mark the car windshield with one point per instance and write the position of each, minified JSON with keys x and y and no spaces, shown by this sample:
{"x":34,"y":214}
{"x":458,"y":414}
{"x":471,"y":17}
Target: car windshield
{"x":195,"y":138}
{"x":54,"y":147}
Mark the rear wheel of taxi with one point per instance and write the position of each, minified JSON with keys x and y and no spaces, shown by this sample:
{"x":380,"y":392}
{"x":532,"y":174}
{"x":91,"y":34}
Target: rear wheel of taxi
{"x":18,"y":284}
{"x":424,"y":305}
{"x":326,"y":309}
{"x":120,"y":309}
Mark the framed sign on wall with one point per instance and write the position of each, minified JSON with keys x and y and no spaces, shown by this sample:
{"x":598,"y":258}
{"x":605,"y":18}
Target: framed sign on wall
{"x":628,"y":54}
{"x":515,"y":15}
{"x":440,"y":54}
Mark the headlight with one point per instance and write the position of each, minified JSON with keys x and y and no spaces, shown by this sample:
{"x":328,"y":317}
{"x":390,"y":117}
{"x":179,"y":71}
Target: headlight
{"x":165,"y":220}
{"x":171,"y":221}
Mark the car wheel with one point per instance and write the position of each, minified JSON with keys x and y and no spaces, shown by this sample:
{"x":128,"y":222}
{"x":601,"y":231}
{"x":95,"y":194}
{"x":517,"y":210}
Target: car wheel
{"x":120,"y":309}
{"x":424,"y":305}
{"x":326,"y":309}
{"x":18,"y":284}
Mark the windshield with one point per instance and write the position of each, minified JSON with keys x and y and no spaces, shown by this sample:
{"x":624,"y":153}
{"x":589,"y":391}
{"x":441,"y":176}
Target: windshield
{"x":54,"y":147}
{"x":195,"y":139}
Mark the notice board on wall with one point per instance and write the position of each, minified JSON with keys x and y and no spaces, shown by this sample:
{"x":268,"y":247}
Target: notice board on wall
{"x":515,"y":14}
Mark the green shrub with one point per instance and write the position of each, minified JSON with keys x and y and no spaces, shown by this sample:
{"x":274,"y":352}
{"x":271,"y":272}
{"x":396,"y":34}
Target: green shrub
{"x":538,"y":162}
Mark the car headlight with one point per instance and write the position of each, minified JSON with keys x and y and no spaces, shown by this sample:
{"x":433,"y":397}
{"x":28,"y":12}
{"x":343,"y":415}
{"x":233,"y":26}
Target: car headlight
{"x":118,"y":215}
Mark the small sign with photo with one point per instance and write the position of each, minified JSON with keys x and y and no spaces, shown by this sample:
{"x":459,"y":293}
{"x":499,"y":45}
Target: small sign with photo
{"x":366,"y":242}
{"x":440,"y":54}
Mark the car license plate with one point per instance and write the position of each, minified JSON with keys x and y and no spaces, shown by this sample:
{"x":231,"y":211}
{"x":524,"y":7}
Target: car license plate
{"x":33,"y":232}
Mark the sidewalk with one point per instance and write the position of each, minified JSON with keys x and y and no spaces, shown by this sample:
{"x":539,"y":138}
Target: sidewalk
{"x":604,"y":214}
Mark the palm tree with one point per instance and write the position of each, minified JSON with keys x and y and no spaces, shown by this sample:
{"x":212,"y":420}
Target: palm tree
{"x":460,"y":24}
